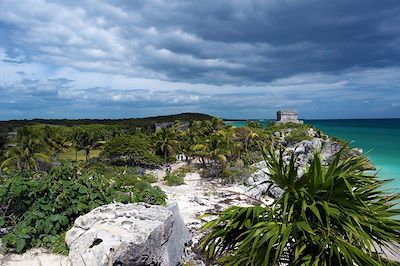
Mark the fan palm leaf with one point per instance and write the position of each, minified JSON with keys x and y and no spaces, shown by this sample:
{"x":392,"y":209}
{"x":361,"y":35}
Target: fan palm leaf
{"x":335,"y":215}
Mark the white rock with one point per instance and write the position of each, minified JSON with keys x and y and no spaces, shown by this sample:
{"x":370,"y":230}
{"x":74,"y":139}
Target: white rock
{"x":329,"y":151}
{"x":127,"y":234}
{"x":198,"y":200}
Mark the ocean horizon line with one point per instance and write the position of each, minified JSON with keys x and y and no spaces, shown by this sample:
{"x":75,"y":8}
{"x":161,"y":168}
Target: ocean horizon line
{"x":306,"y":119}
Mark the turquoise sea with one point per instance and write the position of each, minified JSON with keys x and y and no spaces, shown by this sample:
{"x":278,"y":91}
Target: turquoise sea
{"x":379,"y":138}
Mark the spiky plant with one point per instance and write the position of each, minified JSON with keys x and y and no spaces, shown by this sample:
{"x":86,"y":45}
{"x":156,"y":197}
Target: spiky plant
{"x":330,"y":215}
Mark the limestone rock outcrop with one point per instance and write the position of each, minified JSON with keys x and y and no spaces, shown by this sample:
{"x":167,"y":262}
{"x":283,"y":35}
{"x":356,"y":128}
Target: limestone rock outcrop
{"x":259,"y":184}
{"x":128,"y":234}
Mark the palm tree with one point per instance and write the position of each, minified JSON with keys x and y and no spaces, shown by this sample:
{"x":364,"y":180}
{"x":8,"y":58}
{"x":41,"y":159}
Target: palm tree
{"x":211,"y":126}
{"x":85,"y":140}
{"x":3,"y":142}
{"x":166,"y":142}
{"x":250,"y":137}
{"x":333,"y":215}
{"x":200,"y":150}
{"x":26,"y":153}
{"x":77,"y":141}
{"x":214,"y":148}
{"x":233,"y":146}
{"x":186,"y":142}
{"x":218,"y":149}
{"x":177,"y":126}
{"x":193,"y":138}
{"x":55,"y":141}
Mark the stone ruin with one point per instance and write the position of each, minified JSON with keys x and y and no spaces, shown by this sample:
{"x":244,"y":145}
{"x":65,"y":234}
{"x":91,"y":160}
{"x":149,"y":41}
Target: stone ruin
{"x":288,"y":116}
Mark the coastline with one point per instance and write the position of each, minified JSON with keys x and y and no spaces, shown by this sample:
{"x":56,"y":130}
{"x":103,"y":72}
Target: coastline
{"x":379,"y":138}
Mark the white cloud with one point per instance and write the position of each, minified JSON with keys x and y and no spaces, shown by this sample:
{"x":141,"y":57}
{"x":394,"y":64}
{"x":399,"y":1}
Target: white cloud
{"x":224,"y":58}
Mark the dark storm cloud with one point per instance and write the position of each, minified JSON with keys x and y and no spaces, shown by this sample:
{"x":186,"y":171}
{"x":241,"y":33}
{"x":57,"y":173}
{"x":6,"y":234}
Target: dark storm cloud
{"x":233,"y":58}
{"x":214,"y":41}
{"x":276,"y":39}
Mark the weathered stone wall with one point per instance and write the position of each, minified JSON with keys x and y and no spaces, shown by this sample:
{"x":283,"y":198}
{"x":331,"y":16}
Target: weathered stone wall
{"x":287,"y":116}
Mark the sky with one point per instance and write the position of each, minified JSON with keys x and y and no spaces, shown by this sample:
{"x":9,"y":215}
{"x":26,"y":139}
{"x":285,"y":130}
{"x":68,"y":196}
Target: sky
{"x":229,"y":58}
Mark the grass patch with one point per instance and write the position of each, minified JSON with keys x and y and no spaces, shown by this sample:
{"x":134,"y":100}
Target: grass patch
{"x":69,"y":154}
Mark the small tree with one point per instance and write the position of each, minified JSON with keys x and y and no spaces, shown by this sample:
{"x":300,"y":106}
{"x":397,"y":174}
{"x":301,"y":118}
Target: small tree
{"x":133,"y":150}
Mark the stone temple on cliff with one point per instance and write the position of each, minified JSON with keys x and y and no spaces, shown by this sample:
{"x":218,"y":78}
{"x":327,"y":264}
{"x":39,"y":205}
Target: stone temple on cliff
{"x":288,"y":116}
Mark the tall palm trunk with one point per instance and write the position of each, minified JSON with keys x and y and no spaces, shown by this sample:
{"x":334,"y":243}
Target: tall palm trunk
{"x":87,"y":151}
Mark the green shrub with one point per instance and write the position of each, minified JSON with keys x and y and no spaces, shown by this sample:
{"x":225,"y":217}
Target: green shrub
{"x":175,"y":178}
{"x":252,"y":157}
{"x":184,"y":170}
{"x":171,"y":159}
{"x":40,"y":207}
{"x":297,"y":135}
{"x":151,"y":178}
{"x":254,"y":124}
{"x":144,"y":192}
{"x":59,"y":246}
{"x":236,"y":174}
{"x":274,"y":127}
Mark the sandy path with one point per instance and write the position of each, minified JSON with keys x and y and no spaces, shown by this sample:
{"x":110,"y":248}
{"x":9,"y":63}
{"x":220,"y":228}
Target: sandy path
{"x":35,"y":257}
{"x":197,"y":197}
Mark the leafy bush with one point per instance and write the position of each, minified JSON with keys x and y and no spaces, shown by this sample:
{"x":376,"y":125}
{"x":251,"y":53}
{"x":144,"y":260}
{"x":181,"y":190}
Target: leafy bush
{"x":144,"y":192}
{"x":151,"y":178}
{"x":171,"y":159}
{"x":133,"y":150}
{"x":252,"y":157}
{"x":293,"y":132}
{"x":235,"y":174}
{"x":40,"y":207}
{"x":335,"y":215}
{"x":188,"y":168}
{"x":297,"y":135}
{"x":274,"y":127}
{"x":175,"y":178}
{"x":59,"y":246}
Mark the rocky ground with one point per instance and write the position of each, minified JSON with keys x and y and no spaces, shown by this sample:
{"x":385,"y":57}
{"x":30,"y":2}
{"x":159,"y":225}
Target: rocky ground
{"x":199,"y":196}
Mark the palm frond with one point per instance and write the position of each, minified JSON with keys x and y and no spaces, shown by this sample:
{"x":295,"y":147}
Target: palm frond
{"x":330,"y":215}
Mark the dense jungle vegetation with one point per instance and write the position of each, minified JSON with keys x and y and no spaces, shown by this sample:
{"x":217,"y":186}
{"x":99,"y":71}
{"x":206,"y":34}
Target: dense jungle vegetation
{"x":53,"y":172}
